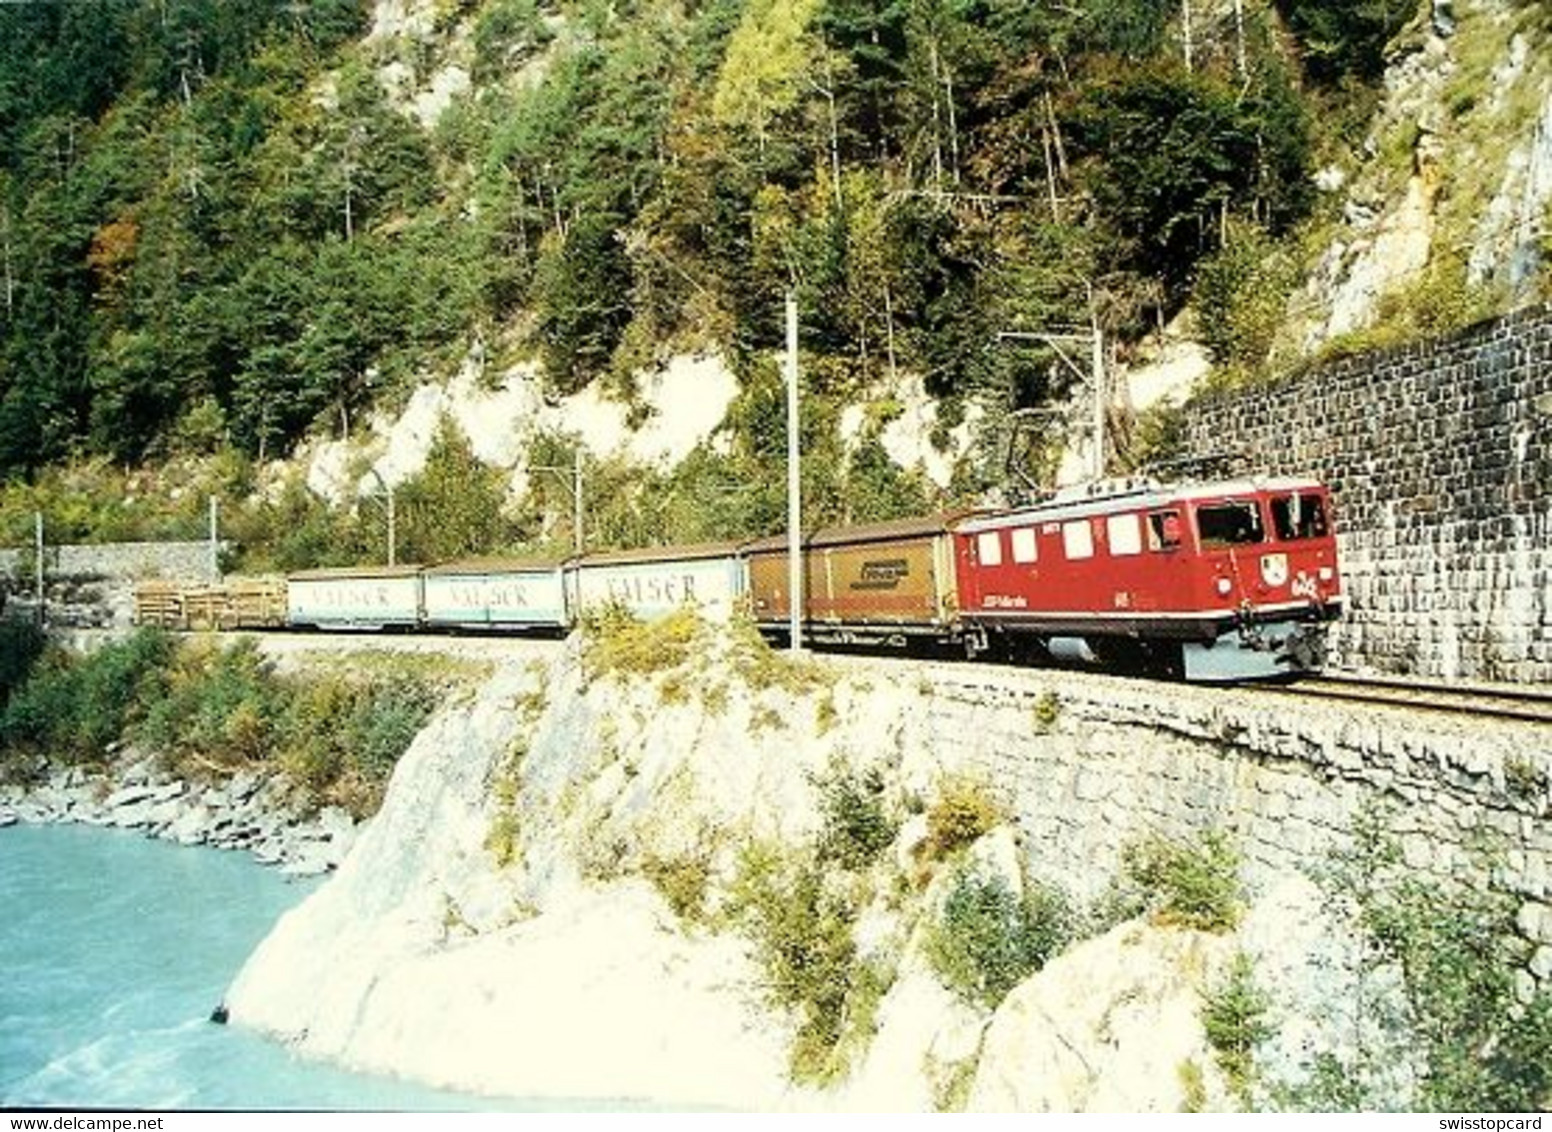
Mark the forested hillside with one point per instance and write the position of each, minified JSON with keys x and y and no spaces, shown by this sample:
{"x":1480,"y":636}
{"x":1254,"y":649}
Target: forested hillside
{"x":213,"y":218}
{"x":224,"y":225}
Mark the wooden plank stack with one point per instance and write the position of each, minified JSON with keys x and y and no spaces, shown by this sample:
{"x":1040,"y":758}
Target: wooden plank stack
{"x":241,"y":603}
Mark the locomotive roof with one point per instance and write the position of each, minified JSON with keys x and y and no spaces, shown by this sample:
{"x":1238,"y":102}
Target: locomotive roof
{"x":693,"y":552}
{"x":867,"y":532}
{"x":1109,"y":499}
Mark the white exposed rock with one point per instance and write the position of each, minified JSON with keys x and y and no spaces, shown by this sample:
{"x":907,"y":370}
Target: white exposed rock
{"x":1104,"y":1027}
{"x":1167,"y":369}
{"x":1330,"y":179}
{"x":925,"y":1033}
{"x":907,"y":435}
{"x":1507,"y":241}
{"x":402,"y":19}
{"x":447,"y":84}
{"x":1371,"y":266}
{"x":422,"y":958}
{"x":685,"y":402}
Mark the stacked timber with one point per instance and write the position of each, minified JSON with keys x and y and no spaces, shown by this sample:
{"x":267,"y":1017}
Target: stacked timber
{"x":242,"y":603}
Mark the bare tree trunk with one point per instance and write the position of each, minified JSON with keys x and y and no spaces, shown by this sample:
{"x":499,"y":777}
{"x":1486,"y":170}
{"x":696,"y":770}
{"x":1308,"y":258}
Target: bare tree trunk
{"x":937,"y":124}
{"x":1185,"y":30}
{"x":560,"y":223}
{"x":1056,"y":136}
{"x":348,"y":165}
{"x":5,"y":249}
{"x":522,"y":223}
{"x":1050,"y":174}
{"x":1239,"y":33}
{"x":835,"y":131}
{"x":889,"y":327}
{"x":953,"y":124}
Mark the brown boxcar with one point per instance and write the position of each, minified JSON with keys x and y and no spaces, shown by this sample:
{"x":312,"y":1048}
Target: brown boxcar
{"x":882,"y":579}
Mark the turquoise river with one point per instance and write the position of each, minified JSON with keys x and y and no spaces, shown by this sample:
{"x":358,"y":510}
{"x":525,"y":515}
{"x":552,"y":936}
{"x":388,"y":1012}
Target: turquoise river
{"x":113,"y":951}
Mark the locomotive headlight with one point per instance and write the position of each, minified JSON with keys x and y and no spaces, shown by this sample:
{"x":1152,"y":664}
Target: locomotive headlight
{"x":1224,"y":586}
{"x":1326,"y":573}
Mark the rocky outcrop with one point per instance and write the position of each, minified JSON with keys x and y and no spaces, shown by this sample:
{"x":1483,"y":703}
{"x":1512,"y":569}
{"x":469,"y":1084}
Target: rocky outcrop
{"x":248,"y":811}
{"x":509,"y":923}
{"x":530,"y":958}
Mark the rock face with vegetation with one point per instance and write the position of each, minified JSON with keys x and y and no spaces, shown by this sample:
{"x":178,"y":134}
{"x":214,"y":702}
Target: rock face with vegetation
{"x":672,"y":865}
{"x":208,"y":744}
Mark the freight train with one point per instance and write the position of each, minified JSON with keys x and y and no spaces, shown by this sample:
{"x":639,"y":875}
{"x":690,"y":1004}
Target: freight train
{"x":1221,"y":581}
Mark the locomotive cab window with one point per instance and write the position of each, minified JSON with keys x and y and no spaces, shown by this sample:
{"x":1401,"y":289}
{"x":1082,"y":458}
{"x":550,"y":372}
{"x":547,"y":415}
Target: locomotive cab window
{"x":1299,"y":517}
{"x":1163,"y":530}
{"x":1229,"y":524}
{"x":1024,"y":550}
{"x":988,"y":548}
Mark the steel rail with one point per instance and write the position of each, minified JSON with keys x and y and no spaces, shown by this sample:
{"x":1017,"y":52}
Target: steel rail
{"x":1492,"y":701}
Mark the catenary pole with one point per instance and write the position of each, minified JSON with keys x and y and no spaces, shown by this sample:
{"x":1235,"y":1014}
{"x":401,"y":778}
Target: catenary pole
{"x":794,"y":486}
{"x":393,"y":529}
{"x":37,"y":559}
{"x":215,"y":539}
{"x":576,"y":498}
{"x":1101,"y":394}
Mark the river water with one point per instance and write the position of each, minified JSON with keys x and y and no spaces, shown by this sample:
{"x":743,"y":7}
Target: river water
{"x":113,"y":951}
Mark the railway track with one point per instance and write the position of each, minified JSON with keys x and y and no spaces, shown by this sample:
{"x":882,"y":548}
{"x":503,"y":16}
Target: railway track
{"x":1490,"y":701}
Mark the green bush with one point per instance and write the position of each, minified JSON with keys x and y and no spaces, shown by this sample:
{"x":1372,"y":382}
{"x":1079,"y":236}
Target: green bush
{"x":962,"y":813}
{"x":1240,"y":295}
{"x":1461,"y":1031}
{"x":75,"y":708}
{"x":210,"y":711}
{"x":683,"y":880}
{"x":615,"y":644}
{"x":1185,"y":884}
{"x":21,"y":644}
{"x":1479,"y":1050}
{"x":802,"y":930}
{"x":988,"y":939}
{"x":342,"y":736}
{"x":221,"y":709}
{"x":857,"y":826}
{"x":1234,"y":1020}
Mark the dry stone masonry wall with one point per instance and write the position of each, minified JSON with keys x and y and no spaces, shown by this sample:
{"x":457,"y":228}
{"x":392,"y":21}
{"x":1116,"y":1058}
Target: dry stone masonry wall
{"x":94,"y":585}
{"x":1440,"y":455}
{"x":1092,"y":765}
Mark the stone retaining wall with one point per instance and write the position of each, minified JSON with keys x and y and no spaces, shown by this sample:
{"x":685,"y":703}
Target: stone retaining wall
{"x":1092,"y":765}
{"x":189,"y":561}
{"x":94,"y":585}
{"x":1440,"y":455}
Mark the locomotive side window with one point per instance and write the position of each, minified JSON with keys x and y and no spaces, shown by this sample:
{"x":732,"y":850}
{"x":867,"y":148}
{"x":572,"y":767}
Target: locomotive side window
{"x":1024,"y":544}
{"x":1164,"y":530}
{"x":1229,"y":524}
{"x":1124,"y":533}
{"x":988,"y":548}
{"x":1078,"y":539}
{"x":1298,"y":517}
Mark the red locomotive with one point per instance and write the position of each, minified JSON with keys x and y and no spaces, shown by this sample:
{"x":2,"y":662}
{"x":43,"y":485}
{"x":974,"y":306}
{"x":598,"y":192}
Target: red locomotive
{"x":1232,"y":580}
{"x":1221,"y":581}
